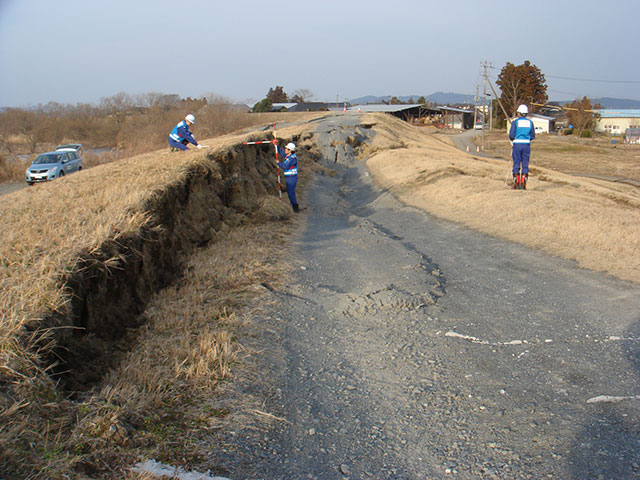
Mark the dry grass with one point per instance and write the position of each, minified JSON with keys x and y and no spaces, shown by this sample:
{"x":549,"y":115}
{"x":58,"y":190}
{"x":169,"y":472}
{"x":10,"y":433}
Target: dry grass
{"x":595,"y":222}
{"x":185,"y":349}
{"x":160,"y":400}
{"x":12,"y":170}
{"x":568,"y":154}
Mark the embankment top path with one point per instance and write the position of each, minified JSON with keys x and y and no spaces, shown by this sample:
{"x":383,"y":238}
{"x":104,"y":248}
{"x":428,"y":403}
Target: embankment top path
{"x":409,"y":347}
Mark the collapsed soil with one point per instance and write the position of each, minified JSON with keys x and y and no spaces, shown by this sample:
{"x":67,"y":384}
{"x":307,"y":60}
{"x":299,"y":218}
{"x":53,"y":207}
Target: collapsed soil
{"x":383,"y":318}
{"x":403,"y":346}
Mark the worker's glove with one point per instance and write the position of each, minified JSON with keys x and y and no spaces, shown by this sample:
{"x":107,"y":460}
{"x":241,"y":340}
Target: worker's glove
{"x":199,"y":146}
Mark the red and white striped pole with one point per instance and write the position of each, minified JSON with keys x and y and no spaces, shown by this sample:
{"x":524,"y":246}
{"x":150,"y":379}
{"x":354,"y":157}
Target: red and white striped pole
{"x":257,"y":143}
{"x":275,"y":145}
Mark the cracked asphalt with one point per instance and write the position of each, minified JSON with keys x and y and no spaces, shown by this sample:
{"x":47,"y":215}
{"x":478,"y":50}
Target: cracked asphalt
{"x":408,"y":347}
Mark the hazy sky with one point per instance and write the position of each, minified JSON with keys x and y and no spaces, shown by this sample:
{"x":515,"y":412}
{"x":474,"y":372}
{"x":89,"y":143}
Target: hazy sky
{"x":77,"y":51}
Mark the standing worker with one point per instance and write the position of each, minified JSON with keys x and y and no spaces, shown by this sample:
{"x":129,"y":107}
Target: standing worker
{"x":290,"y":168}
{"x":181,"y":136}
{"x":522,"y":132}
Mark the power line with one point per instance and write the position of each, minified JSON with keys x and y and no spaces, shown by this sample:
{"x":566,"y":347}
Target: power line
{"x":583,"y":79}
{"x":591,"y":80}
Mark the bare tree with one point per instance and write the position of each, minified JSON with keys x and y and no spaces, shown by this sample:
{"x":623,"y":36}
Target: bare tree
{"x":302,"y":95}
{"x":581,"y":115}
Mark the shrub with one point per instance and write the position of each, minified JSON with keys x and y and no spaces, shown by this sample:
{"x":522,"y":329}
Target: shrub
{"x":263,"y":105}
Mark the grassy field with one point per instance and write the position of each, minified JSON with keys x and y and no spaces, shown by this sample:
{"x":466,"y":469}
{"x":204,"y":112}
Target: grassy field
{"x":567,"y":154}
{"x":179,"y":248}
{"x":594,"y":222}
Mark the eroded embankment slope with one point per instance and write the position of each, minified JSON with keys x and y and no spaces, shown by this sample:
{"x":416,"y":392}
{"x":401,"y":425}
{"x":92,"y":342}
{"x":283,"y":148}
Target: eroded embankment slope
{"x":81,"y":257}
{"x":110,"y":287}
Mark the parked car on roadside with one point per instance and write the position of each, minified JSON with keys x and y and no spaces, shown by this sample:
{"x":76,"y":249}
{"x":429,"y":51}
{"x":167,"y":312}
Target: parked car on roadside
{"x":65,"y":159}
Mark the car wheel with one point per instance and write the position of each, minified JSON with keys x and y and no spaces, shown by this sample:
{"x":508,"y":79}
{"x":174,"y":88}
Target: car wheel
{"x":61,"y":174}
{"x":30,"y":184}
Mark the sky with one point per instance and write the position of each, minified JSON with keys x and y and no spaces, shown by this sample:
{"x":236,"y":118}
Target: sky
{"x":79,"y":51}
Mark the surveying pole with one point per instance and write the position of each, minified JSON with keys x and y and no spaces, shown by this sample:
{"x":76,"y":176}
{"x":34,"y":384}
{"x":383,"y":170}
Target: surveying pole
{"x":275,"y":145}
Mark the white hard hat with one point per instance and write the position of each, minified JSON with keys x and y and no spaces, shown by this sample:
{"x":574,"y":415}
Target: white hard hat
{"x":291,"y":146}
{"x":190,"y":118}
{"x":523,"y":109}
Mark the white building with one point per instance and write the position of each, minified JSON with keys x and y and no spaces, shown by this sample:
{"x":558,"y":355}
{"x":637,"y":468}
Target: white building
{"x":616,"y":122}
{"x":541,"y":123}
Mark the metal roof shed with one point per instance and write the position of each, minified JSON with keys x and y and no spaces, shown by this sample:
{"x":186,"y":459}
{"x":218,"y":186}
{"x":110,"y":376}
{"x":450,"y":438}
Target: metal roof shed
{"x":457,"y":117}
{"x":402,"y":111}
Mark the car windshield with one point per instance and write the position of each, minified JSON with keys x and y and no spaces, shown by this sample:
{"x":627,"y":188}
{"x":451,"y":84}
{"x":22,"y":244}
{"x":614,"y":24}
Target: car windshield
{"x":48,"y":158}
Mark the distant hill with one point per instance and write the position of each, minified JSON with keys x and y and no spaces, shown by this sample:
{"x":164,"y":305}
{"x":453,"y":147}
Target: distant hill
{"x":449,"y":98}
{"x":622,"y":103}
{"x":607,"y":102}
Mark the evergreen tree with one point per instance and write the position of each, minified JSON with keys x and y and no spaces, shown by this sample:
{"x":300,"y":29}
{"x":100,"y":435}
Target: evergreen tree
{"x":521,"y":84}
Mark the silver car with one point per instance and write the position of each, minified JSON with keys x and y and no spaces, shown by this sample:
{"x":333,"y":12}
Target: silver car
{"x":50,"y":165}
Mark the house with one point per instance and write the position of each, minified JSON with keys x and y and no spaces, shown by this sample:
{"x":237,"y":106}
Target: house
{"x":616,"y":122}
{"x":307,"y":107}
{"x":314,"y":107}
{"x":561,"y":121}
{"x":282,"y":106}
{"x":632,"y":136}
{"x":542,"y":123}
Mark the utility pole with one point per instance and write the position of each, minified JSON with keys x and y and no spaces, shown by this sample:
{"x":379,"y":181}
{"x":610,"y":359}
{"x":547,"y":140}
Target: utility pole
{"x":490,"y":114}
{"x":475,"y":107}
{"x":486,"y":65}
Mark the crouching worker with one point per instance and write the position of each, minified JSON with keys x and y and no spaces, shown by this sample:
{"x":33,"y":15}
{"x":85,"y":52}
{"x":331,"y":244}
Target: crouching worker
{"x":181,"y":136}
{"x":290,"y":168}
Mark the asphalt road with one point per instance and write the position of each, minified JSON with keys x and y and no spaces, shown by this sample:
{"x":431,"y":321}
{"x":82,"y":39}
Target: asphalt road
{"x":11,"y":187}
{"x":408,"y":347}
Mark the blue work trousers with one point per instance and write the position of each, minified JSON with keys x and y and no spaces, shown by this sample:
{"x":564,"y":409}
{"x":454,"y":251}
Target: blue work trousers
{"x":291,"y":181}
{"x":520,"y":154}
{"x":178,"y":145}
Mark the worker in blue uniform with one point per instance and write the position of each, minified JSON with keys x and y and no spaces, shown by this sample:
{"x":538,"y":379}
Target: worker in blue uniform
{"x":290,"y":168}
{"x":181,"y":136}
{"x":521,"y":133}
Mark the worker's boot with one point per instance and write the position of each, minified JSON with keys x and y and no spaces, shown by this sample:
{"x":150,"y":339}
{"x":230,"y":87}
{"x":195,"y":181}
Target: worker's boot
{"x":295,"y":207}
{"x":523,"y":181}
{"x":516,"y":181}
